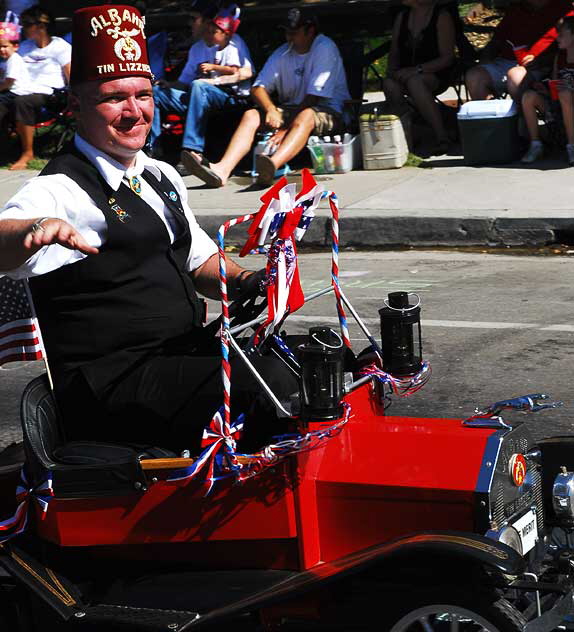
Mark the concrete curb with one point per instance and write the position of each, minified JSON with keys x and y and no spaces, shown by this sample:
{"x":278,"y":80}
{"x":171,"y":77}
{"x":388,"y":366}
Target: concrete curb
{"x":368,"y":231}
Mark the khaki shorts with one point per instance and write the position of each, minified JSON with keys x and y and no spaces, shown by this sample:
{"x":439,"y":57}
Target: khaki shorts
{"x":326,"y":121}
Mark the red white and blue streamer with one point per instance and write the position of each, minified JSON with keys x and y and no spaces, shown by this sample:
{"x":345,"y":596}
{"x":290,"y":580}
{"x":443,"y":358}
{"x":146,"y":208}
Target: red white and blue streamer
{"x":334,"y":204}
{"x":40,"y":494}
{"x":401,"y":386}
{"x":225,"y":364}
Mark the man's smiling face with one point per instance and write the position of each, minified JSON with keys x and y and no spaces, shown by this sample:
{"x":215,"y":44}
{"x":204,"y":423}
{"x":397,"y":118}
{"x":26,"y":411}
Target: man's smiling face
{"x":115,"y":115}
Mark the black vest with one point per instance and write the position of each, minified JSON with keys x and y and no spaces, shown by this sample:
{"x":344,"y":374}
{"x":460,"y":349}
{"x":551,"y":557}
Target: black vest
{"x":102,"y":314}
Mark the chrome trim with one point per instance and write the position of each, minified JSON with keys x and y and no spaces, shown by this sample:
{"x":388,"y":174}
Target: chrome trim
{"x":258,"y":377}
{"x":357,"y":383}
{"x":376,"y":347}
{"x":485,"y":422}
{"x":563,"y":495}
{"x":536,"y":592}
{"x":489,"y":459}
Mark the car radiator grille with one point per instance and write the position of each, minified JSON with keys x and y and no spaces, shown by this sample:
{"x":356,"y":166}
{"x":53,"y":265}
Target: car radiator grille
{"x":507,"y":500}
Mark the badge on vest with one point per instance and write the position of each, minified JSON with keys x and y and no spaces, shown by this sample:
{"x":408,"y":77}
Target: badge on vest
{"x":135,"y":185}
{"x":122,"y":215}
{"x":173,"y":196}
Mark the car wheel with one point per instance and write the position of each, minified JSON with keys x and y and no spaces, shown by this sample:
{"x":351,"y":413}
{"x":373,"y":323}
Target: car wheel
{"x":446,"y":611}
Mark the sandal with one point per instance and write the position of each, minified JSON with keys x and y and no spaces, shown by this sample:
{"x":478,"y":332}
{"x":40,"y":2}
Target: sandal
{"x":265,"y":170}
{"x":200,"y":169}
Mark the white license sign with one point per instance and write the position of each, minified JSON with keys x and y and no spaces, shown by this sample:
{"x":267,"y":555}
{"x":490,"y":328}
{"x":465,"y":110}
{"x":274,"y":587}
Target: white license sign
{"x":527,"y":528}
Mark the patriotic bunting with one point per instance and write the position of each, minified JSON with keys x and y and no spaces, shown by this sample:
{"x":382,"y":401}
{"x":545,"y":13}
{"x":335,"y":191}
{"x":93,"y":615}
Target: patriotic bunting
{"x":41,"y":494}
{"x":401,"y":386}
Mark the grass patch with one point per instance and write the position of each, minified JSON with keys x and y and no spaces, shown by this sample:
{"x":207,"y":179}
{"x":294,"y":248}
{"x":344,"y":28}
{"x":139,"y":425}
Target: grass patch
{"x":38,"y":163}
{"x":45,"y":142}
{"x":414,"y":161}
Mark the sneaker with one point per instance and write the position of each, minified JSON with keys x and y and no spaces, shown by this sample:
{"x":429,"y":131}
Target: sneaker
{"x":534,"y":152}
{"x":570,"y":152}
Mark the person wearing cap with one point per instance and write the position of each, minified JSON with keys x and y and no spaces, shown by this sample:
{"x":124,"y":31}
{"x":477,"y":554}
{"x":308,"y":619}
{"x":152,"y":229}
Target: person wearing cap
{"x":14,"y":78}
{"x":216,"y":77}
{"x":115,"y":260}
{"x":47,"y":58}
{"x":307,"y":79}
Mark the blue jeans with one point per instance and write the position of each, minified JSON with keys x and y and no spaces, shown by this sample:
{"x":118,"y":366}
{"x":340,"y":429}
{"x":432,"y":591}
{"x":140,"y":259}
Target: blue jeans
{"x":201,"y":99}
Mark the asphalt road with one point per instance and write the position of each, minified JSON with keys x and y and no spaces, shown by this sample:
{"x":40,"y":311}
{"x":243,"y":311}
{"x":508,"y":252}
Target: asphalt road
{"x":494,"y":327}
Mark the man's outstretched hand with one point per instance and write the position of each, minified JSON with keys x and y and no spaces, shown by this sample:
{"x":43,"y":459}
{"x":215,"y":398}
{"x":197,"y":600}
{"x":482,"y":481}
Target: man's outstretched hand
{"x":57,"y":231}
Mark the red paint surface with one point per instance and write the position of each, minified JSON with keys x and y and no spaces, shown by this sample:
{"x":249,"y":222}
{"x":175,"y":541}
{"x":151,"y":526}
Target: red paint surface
{"x":380,"y":478}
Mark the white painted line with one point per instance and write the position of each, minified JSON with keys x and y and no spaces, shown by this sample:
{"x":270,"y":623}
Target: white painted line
{"x":352,"y":273}
{"x":455,"y":324}
{"x":471,"y":324}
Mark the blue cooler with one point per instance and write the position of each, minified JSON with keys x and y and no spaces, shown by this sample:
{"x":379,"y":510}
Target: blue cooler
{"x":489,"y":131}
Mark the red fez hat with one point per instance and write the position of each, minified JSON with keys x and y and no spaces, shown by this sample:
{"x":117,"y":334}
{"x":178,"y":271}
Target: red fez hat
{"x":108,"y":42}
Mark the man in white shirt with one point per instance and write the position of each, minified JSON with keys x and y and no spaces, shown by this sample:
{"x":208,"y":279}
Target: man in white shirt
{"x":115,"y":258}
{"x":308,"y":79}
{"x":216,"y":77}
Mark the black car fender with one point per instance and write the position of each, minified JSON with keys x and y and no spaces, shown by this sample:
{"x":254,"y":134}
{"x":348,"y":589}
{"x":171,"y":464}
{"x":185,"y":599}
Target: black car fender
{"x":463,"y":551}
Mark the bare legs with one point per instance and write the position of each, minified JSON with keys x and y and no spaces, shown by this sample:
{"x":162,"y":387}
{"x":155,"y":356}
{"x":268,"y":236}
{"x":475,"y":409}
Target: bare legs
{"x":26,"y":134}
{"x":532,"y":103}
{"x":422,"y":89}
{"x":480,"y":86}
{"x":239,"y":145}
{"x":515,"y":84}
{"x":294,"y":139}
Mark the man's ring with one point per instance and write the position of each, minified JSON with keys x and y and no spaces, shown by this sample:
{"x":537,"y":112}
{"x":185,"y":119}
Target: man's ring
{"x":36,"y":226}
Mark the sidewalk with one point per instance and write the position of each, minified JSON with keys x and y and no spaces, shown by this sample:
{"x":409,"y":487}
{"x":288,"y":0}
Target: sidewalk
{"x":445,"y":203}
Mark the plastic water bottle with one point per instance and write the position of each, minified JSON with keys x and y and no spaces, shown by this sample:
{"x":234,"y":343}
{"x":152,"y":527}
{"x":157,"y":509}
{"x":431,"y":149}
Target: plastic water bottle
{"x":259,"y":149}
{"x":329,"y":156}
{"x":339,"y":152}
{"x":317,"y":151}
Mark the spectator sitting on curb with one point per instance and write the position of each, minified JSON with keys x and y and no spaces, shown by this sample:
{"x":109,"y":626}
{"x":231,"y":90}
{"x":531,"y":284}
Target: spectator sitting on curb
{"x":309,"y":80}
{"x":521,"y":49}
{"x":216,"y":76}
{"x":14,"y":78}
{"x":535,"y":101}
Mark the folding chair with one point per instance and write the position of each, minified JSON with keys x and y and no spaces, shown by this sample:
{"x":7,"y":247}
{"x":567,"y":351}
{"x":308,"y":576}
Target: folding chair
{"x":56,"y":115}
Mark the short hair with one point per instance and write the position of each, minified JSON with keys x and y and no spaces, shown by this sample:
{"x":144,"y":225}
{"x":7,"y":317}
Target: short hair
{"x":36,"y":15}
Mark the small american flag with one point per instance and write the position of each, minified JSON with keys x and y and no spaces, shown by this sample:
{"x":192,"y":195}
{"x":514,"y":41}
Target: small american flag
{"x":19,"y":333}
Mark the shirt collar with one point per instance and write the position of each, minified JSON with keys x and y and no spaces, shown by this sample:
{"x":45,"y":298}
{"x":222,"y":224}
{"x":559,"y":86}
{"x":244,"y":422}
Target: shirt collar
{"x":111,"y":170}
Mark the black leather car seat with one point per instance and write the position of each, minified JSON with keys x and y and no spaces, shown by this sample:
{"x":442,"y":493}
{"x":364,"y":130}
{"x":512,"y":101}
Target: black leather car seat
{"x":46,"y":449}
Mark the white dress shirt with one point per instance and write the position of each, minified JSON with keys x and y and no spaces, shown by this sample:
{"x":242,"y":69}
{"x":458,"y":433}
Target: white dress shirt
{"x":58,"y":196}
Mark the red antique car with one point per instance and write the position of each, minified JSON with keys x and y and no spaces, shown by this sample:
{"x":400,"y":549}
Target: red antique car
{"x":356,"y":520}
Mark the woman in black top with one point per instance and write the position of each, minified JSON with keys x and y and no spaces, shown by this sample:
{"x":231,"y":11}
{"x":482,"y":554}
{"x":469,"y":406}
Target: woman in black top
{"x":420,"y":61}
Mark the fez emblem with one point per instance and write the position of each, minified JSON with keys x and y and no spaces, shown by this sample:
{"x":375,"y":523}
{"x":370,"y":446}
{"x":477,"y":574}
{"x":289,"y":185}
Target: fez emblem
{"x":126,"y":48}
